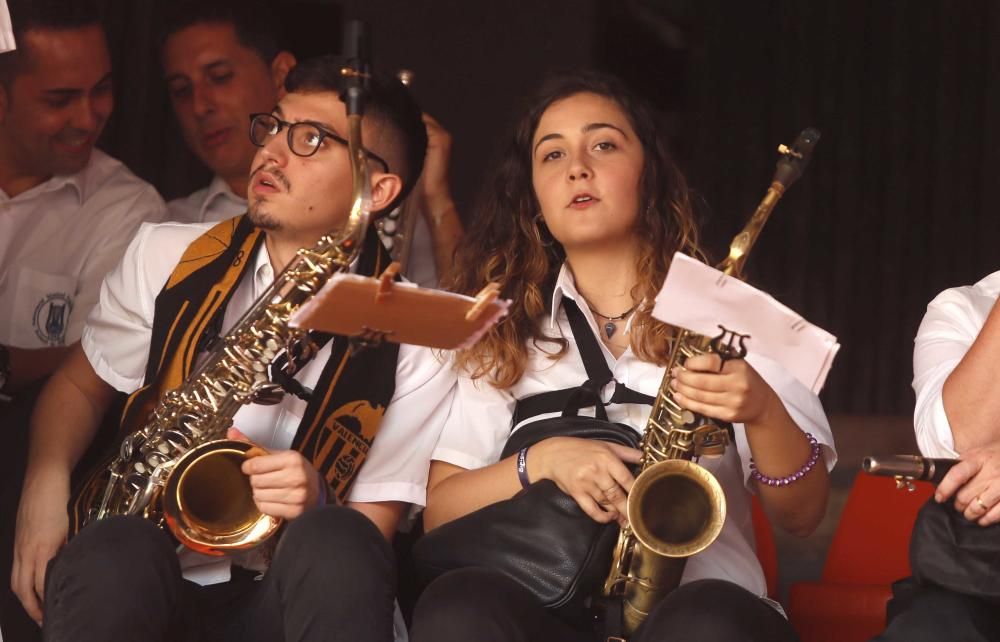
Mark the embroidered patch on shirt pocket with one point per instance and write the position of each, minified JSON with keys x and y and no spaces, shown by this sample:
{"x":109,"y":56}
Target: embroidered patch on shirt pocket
{"x":42,"y":304}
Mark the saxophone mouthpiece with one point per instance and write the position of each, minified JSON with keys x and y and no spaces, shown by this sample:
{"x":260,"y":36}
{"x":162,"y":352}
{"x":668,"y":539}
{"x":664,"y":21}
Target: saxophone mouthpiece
{"x":908,"y":467}
{"x":794,"y":159}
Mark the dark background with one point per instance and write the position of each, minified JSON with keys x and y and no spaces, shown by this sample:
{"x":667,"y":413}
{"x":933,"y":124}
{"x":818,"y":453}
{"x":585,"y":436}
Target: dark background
{"x":898,"y":204}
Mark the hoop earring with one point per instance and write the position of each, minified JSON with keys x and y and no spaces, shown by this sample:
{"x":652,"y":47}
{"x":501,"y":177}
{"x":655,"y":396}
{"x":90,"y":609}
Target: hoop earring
{"x":537,"y":224}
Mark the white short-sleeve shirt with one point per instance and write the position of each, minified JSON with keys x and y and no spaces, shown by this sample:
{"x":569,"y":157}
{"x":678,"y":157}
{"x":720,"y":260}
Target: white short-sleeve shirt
{"x":949,"y":327}
{"x":116,"y":341}
{"x":208,"y":205}
{"x":480,"y":423}
{"x":57,"y":242}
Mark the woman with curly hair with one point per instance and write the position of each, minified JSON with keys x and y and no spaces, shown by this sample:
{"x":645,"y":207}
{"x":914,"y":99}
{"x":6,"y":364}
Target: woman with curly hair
{"x":585,"y":212}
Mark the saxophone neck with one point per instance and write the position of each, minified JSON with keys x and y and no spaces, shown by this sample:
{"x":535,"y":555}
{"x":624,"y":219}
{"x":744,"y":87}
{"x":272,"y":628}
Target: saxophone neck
{"x":743,"y":242}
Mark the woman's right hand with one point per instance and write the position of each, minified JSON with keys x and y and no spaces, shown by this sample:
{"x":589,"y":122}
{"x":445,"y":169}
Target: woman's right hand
{"x":590,"y":471}
{"x":42,"y":527}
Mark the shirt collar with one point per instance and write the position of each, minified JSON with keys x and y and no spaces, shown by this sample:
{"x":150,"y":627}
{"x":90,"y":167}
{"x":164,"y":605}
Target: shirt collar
{"x":75,"y":181}
{"x":566,"y":288}
{"x":263,"y":273}
{"x":218,"y":188}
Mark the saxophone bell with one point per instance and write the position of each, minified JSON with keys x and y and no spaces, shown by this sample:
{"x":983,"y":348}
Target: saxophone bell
{"x":225,"y":519}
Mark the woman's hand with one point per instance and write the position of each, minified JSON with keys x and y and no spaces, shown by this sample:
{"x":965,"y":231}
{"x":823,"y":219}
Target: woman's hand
{"x":590,"y":471}
{"x":734,"y":394}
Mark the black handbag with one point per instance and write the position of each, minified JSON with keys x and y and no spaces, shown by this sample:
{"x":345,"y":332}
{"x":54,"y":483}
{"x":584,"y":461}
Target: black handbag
{"x":949,"y":551}
{"x":541,"y":538}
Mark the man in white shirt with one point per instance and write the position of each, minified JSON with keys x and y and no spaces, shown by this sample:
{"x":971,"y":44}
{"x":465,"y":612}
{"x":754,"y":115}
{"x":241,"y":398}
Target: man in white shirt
{"x":331,"y":576}
{"x":222,"y":61}
{"x":67,"y":211}
{"x":957,"y":414}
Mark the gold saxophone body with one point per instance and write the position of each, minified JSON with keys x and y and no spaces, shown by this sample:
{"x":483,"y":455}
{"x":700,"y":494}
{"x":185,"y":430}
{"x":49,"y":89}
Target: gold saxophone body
{"x":178,"y":470}
{"x":676,"y":507}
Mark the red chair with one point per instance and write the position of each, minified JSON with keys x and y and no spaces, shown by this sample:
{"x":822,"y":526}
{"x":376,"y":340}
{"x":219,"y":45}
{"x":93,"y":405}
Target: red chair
{"x":870,"y":551}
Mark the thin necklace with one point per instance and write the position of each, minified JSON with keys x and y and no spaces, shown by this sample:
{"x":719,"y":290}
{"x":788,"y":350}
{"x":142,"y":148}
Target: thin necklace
{"x":610,"y":327}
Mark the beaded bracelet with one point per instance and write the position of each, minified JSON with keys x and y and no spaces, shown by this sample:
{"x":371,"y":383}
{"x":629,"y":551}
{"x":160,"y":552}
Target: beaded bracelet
{"x":794,"y":477}
{"x":522,"y":467}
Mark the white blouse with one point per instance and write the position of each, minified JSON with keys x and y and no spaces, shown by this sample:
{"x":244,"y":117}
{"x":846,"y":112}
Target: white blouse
{"x":480,"y":422}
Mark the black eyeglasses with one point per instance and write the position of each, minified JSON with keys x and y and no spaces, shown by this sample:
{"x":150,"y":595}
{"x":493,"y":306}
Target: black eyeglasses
{"x":304,"y":139}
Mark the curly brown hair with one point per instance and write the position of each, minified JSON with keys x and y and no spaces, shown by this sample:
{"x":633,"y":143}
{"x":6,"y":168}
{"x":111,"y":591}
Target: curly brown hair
{"x":505,"y":243}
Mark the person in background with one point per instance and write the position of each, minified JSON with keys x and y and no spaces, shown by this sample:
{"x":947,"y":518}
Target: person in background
{"x":67,"y":210}
{"x":957,"y":415}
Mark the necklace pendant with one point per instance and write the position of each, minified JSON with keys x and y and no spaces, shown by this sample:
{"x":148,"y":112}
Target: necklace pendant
{"x":609,"y":329}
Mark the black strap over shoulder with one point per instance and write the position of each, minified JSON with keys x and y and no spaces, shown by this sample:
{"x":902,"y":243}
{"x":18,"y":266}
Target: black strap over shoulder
{"x":569,"y":401}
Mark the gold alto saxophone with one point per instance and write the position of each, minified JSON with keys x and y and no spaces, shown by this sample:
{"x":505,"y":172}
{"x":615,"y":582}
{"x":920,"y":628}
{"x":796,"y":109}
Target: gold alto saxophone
{"x":676,"y":508}
{"x":179,"y":470}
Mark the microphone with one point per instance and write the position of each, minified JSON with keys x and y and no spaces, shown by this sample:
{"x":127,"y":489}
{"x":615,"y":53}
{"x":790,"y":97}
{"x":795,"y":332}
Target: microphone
{"x":357,"y":52}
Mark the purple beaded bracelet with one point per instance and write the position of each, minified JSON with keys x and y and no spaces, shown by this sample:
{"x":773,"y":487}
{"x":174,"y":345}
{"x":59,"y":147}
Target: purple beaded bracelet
{"x":794,"y":477}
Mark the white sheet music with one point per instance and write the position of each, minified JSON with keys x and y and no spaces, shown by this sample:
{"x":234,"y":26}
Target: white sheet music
{"x":6,"y":29}
{"x":699,"y":298}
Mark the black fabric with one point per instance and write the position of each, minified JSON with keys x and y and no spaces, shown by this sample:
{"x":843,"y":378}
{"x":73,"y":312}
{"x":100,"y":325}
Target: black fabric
{"x":332,"y":578}
{"x":540,"y":538}
{"x":483,"y":605}
{"x":949,"y":551}
{"x":927,"y":613}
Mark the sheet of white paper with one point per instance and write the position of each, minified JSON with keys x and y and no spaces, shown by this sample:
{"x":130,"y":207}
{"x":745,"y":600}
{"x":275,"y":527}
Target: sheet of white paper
{"x":699,"y":298}
{"x":6,"y":30}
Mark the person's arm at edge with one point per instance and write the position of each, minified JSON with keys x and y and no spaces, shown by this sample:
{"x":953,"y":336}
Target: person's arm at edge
{"x":69,"y":410}
{"x":28,"y":365}
{"x":972,"y":409}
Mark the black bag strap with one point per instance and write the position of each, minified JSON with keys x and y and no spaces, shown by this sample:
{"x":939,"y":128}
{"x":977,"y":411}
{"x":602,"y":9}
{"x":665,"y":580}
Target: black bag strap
{"x":570,"y":400}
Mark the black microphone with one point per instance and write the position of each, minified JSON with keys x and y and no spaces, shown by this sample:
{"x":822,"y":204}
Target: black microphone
{"x":358,"y":55}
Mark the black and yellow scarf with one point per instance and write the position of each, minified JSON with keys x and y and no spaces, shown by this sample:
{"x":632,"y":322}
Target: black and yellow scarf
{"x":351,"y":395}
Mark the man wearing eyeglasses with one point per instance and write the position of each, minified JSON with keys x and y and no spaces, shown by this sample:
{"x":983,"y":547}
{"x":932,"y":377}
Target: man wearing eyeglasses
{"x":348,"y":445}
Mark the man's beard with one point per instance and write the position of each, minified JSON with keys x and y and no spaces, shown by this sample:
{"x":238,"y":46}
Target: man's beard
{"x":261,"y":218}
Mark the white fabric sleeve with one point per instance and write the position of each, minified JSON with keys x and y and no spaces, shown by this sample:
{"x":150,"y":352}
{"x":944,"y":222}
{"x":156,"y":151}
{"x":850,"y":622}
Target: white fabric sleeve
{"x":947,"y":331}
{"x":398,"y":463}
{"x":118,"y":331}
{"x":803,"y":406}
{"x":122,"y":220}
{"x":477,"y":426}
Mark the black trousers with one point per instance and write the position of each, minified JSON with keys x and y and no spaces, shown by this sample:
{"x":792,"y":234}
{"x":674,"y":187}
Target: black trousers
{"x":480,"y":604}
{"x":933,"y":614}
{"x":332,"y":578}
